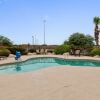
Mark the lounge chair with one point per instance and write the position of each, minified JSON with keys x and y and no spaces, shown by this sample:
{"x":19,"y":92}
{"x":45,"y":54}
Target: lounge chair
{"x":42,"y":51}
{"x":77,"y":52}
{"x":37,"y":51}
{"x":66,"y":54}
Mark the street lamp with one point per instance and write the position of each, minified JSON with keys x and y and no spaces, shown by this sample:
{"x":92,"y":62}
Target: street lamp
{"x":32,"y":41}
{"x":44,"y":21}
{"x":35,"y":39}
{"x":44,"y":45}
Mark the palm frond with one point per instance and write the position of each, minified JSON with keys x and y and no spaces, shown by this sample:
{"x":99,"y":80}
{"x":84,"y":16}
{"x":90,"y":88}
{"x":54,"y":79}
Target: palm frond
{"x":96,"y":20}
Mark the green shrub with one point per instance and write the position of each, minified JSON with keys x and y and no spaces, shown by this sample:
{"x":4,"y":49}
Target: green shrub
{"x":4,"y":52}
{"x":22,"y":50}
{"x":62,"y":49}
{"x":95,"y":51}
{"x":14,"y":49}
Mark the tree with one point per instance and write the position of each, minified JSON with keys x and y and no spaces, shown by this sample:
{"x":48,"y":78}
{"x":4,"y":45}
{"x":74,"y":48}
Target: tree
{"x":89,"y":41}
{"x":4,"y":41}
{"x":80,"y":41}
{"x":96,"y":21}
{"x":66,"y":42}
{"x":77,"y":40}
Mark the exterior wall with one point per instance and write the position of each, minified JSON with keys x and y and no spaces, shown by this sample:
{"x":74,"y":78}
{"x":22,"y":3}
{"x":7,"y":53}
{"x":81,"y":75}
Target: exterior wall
{"x":38,"y":47}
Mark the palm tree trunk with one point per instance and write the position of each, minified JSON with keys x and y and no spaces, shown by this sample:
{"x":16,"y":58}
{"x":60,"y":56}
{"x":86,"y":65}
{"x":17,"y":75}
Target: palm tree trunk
{"x":97,"y":35}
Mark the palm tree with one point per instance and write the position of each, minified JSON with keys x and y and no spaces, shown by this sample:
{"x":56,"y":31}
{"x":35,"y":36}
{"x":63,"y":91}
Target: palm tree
{"x":96,"y":30}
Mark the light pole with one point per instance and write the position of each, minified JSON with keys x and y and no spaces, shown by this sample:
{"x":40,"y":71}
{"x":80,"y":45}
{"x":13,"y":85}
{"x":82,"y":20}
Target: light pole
{"x":44,"y":21}
{"x":33,"y":41}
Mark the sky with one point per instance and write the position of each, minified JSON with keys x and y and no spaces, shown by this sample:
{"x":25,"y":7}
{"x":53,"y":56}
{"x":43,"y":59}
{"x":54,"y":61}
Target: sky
{"x":22,"y":19}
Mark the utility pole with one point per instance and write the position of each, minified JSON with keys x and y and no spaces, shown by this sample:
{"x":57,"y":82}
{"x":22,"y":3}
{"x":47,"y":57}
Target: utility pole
{"x":32,"y":41}
{"x":44,"y":21}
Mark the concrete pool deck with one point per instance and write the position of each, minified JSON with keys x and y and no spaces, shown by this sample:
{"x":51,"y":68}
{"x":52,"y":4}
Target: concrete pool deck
{"x":56,"y":83}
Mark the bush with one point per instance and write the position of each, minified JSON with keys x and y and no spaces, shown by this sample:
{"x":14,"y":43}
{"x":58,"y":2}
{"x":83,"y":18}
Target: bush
{"x":32,"y":50}
{"x":14,"y":49}
{"x":4,"y":52}
{"x":22,"y":50}
{"x":95,"y":51}
{"x":62,"y":49}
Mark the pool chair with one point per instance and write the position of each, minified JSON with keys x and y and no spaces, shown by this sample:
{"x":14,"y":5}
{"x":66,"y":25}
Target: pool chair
{"x":42,"y":51}
{"x":77,"y":52}
{"x":46,"y":51}
{"x":18,"y":55}
{"x":66,"y":55}
{"x":37,"y":51}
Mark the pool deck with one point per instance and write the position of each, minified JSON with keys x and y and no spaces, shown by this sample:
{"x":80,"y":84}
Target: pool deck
{"x":56,"y":83}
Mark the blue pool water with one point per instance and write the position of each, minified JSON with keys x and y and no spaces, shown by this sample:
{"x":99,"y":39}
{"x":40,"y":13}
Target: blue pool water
{"x":40,"y":63}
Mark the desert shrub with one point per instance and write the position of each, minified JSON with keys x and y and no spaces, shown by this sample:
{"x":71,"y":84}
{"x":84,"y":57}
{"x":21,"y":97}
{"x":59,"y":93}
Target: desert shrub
{"x":14,"y":49}
{"x":62,"y":49}
{"x":4,"y":52}
{"x":95,"y":51}
{"x":22,"y":50}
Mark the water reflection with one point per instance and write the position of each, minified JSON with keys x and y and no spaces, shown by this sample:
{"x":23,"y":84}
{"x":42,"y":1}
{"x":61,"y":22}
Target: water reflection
{"x":18,"y":67}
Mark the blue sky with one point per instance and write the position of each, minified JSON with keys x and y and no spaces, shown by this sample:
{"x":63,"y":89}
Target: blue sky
{"x":21,"y":19}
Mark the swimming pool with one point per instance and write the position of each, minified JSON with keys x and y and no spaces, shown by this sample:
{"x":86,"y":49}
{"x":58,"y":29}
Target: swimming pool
{"x":45,"y":62}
